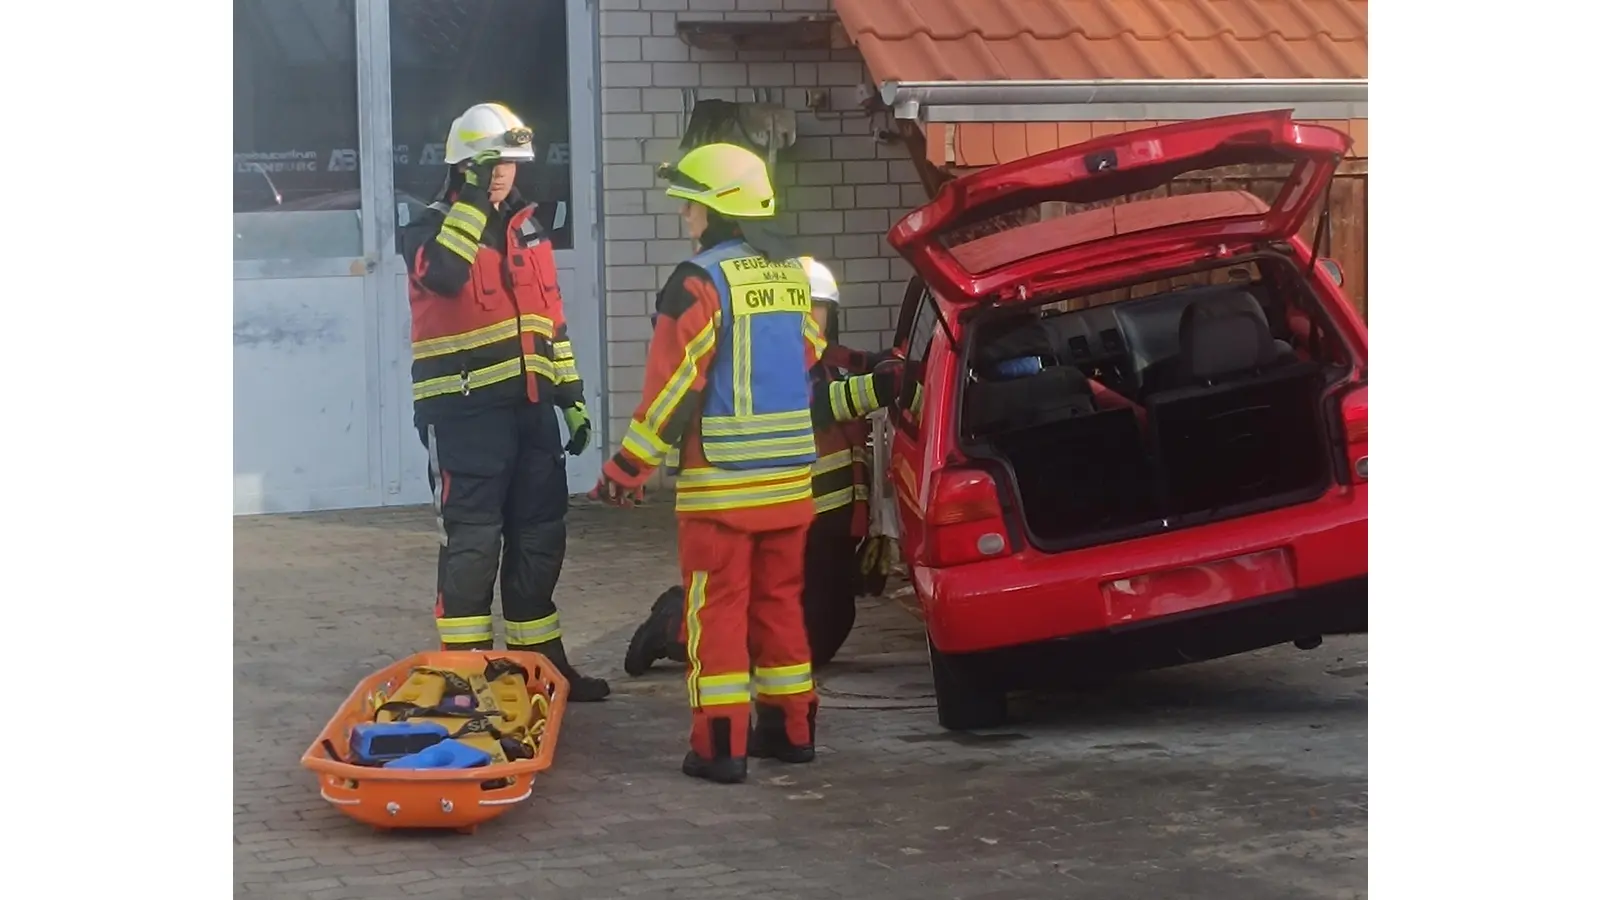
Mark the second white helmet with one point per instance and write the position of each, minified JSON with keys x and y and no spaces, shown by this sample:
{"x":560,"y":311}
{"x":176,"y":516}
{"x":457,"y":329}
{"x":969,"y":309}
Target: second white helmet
{"x":488,"y":126}
{"x":824,"y":287}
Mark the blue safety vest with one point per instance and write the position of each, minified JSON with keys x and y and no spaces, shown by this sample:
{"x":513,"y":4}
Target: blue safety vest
{"x":757,"y":408}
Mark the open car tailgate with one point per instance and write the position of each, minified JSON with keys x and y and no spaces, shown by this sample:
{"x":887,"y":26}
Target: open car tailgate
{"x":1035,"y":258}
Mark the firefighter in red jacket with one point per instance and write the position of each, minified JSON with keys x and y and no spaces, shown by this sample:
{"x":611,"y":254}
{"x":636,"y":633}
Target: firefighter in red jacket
{"x":846,"y":386}
{"x":726,"y":384}
{"x":491,"y":364}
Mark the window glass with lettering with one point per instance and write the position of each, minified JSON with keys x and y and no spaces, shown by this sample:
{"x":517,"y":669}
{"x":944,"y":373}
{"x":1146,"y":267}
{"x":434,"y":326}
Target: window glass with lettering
{"x":450,"y":54}
{"x":296,"y":169}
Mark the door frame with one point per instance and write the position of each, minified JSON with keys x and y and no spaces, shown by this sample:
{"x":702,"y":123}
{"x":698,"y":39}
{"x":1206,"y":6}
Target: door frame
{"x":403,"y":483}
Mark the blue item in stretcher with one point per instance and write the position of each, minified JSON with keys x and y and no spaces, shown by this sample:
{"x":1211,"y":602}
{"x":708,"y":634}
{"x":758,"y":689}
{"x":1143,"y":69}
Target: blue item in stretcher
{"x":376,"y":743}
{"x":447,"y":754}
{"x":1020,"y":367}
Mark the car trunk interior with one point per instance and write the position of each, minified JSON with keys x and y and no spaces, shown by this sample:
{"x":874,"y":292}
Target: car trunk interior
{"x":1178,"y":401}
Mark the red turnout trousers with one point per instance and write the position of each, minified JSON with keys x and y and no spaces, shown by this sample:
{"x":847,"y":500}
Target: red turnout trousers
{"x":744,"y":629}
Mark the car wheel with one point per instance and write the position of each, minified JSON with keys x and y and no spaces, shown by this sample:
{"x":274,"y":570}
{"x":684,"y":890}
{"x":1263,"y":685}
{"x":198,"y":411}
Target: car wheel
{"x":962,"y":702}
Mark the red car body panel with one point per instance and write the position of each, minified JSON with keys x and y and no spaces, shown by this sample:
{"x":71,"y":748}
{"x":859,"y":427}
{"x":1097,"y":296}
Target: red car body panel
{"x":1027,"y":596}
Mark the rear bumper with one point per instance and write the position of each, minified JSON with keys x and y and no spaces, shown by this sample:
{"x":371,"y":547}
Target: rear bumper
{"x":1337,"y":608}
{"x":1035,"y":597}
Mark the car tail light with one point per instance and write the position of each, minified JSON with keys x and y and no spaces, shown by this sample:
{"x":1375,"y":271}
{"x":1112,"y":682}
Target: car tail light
{"x":1354,"y":411}
{"x":964,"y":522}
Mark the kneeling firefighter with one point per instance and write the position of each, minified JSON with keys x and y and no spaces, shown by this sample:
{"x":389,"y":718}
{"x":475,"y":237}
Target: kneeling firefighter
{"x":846,"y":386}
{"x":491,"y":363}
{"x":725,"y":384}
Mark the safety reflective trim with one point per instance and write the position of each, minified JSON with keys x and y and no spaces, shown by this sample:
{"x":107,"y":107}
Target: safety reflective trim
{"x":566,"y":370}
{"x":744,"y":398}
{"x":755,"y":424}
{"x":466,"y":340}
{"x":649,"y":448}
{"x":463,"y":218}
{"x":561,"y":350}
{"x":741,"y":498}
{"x":819,"y":343}
{"x":468,"y":381}
{"x":710,"y":477}
{"x":436,"y":473}
{"x":695,"y":600}
{"x":537,"y":631}
{"x":457,"y":243}
{"x":779,"y":681}
{"x":538,"y":324}
{"x":835,"y":499}
{"x":682,"y":378}
{"x":473,"y":215}
{"x":838,"y":459}
{"x":538,"y":365}
{"x":722,"y":690}
{"x":756,"y":450}
{"x":465,"y":629}
{"x":863,"y":392}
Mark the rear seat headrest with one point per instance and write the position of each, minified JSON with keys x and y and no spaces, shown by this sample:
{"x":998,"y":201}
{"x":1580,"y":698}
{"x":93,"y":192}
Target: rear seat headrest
{"x":1223,"y":335}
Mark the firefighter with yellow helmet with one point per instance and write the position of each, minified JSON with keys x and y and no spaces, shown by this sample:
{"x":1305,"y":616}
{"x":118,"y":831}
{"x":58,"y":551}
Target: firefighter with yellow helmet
{"x":726,"y":385}
{"x":492,"y":364}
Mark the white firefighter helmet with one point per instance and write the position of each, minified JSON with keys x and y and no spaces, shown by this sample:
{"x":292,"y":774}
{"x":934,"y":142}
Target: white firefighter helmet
{"x":823,"y":286}
{"x":488,"y":126}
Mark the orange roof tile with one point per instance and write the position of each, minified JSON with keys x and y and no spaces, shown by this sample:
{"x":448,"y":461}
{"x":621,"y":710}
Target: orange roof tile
{"x":1002,"y":40}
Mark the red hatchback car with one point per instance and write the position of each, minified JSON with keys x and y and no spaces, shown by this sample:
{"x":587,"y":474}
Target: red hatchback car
{"x":1134,"y":427}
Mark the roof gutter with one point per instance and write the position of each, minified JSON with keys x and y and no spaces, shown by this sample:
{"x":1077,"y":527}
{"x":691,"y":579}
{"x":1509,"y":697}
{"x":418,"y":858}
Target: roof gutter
{"x":1118,"y":99}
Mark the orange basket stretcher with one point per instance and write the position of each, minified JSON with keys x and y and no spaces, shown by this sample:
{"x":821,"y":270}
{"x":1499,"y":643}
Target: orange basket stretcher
{"x":431,"y":798}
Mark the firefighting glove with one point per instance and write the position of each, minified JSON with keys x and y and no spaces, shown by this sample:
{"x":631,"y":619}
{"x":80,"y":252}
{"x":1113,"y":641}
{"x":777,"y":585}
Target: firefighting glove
{"x":889,"y":380}
{"x":578,"y":427}
{"x":481,"y":168}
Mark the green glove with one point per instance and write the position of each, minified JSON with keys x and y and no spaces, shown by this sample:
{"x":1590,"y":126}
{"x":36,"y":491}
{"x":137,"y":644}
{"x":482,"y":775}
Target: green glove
{"x":578,"y":426}
{"x":481,"y":167}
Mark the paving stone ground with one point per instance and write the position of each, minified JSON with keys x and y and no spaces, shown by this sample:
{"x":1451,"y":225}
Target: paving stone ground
{"x":1237,"y":779}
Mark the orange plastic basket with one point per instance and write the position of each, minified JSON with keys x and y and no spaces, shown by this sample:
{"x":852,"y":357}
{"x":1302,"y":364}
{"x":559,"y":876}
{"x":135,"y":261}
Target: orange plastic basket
{"x":431,"y":798}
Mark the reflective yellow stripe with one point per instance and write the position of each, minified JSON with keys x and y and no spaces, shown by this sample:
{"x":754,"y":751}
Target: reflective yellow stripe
{"x":779,"y":681}
{"x":648,"y":447}
{"x":814,"y":335}
{"x":710,"y":490}
{"x":835,"y":499}
{"x":468,"y":226}
{"x":721,"y":690}
{"x":537,"y":631}
{"x":457,"y":243}
{"x":677,"y":386}
{"x":744,"y":400}
{"x":766,"y":448}
{"x":566,"y":370}
{"x":696,"y":601}
{"x":866,"y":399}
{"x":757,"y":423}
{"x":458,"y":384}
{"x":465,"y":629}
{"x":538,"y":325}
{"x":538,"y":365}
{"x":561,"y":350}
{"x":467,"y":340}
{"x":838,"y":459}
{"x":473,"y":215}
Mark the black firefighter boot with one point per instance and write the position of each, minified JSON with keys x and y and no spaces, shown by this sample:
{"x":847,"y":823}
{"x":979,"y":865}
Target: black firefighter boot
{"x":657,"y":638}
{"x":583,"y":689}
{"x":723,"y":767}
{"x":769,"y":739}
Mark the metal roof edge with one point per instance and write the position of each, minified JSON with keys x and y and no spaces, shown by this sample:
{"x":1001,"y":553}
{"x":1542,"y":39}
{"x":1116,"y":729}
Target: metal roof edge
{"x":916,"y":99}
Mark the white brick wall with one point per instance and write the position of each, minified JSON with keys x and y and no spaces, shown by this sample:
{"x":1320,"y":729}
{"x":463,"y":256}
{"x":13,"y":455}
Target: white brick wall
{"x":843,"y":189}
